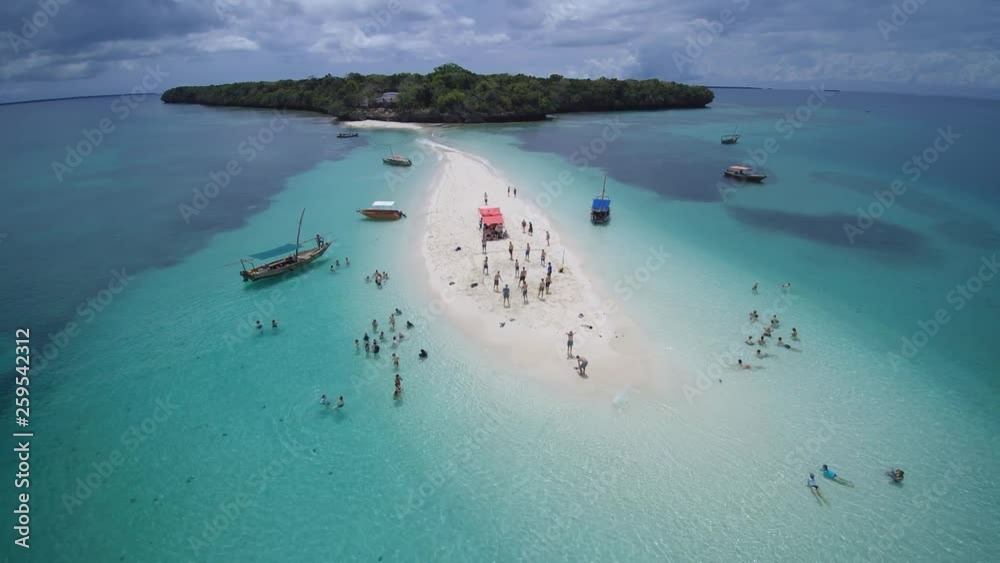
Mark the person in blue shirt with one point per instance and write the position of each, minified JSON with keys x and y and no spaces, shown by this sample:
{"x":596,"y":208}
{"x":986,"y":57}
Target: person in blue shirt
{"x":831,"y":475}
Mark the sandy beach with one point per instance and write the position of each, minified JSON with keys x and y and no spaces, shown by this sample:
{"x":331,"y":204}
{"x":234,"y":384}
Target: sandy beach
{"x":533,"y":334}
{"x":375,"y":124}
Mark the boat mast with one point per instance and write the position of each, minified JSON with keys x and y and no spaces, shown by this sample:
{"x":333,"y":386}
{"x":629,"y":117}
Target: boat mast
{"x":604,"y":186}
{"x":298,"y":234}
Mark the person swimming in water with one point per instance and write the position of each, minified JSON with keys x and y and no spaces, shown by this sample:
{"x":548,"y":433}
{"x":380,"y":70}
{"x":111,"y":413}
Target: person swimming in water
{"x":398,"y":312}
{"x":408,"y":325}
{"x":896,"y":475}
{"x":340,"y":402}
{"x":754,"y":288}
{"x":831,"y":475}
{"x":761,"y":354}
{"x":767,"y":331}
{"x":366,"y":337}
{"x":324,"y":401}
{"x":761,"y":341}
{"x":741,"y":365}
{"x":795,"y":334}
{"x":782,"y":343}
{"x":749,"y":341}
{"x":259,"y":326}
{"x":814,"y":487}
{"x":274,"y":323}
{"x":422,"y":354}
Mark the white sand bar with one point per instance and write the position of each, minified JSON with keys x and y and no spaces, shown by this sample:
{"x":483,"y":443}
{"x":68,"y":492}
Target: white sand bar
{"x":374,"y":124}
{"x":530,"y":335}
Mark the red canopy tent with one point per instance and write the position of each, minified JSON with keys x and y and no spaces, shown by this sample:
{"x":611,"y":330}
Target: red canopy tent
{"x":492,"y":223}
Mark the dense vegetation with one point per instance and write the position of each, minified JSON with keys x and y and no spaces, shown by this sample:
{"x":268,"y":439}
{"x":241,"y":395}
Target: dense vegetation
{"x":449,"y":94}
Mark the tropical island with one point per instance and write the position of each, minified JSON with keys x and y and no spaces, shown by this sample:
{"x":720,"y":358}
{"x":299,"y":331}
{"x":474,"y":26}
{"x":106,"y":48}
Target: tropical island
{"x":449,"y":94}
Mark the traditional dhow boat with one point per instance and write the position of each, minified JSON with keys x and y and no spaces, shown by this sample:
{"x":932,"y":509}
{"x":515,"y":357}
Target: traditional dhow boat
{"x":382,"y":211}
{"x":744,"y":173}
{"x":396,"y":159}
{"x":347,"y":135}
{"x":730,"y":139}
{"x":600,"y":210}
{"x":298,"y":258}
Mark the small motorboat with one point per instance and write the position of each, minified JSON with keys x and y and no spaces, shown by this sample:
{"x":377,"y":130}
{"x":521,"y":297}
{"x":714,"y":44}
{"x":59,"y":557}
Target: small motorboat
{"x":382,"y":211}
{"x":744,"y":173}
{"x":347,"y":135}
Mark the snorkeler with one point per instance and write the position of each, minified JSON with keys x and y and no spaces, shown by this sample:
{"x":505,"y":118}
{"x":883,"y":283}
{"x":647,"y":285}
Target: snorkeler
{"x":831,"y":475}
{"x":814,"y":487}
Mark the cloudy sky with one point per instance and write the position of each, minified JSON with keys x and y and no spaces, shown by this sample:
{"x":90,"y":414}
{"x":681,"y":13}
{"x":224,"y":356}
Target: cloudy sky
{"x":88,"y":47}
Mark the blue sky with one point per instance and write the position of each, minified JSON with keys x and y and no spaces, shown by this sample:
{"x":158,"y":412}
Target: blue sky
{"x":88,"y":47}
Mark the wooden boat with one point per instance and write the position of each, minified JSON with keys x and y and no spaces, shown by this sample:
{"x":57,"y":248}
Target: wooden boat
{"x":744,"y":173}
{"x":600,"y":209}
{"x":731,"y":139}
{"x":347,"y":135}
{"x":298,"y":259}
{"x":382,"y":211}
{"x":396,"y":160}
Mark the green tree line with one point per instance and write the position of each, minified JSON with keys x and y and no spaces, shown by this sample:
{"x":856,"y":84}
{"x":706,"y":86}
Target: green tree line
{"x":449,"y":94}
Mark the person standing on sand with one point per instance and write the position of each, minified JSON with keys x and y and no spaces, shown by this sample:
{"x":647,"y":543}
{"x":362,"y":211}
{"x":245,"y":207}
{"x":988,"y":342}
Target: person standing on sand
{"x":484,"y":244}
{"x":486,"y":265}
{"x":496,"y":282}
{"x":531,"y":229}
{"x":515,"y":193}
{"x":569,"y":344}
{"x":517,"y":267}
{"x":543,"y":257}
{"x":550,"y":269}
{"x":581,"y":365}
{"x":541,"y":288}
{"x":524,"y":275}
{"x":506,"y":295}
{"x":524,"y":225}
{"x":508,"y":191}
{"x":548,"y":282}
{"x":510,"y":249}
{"x":524,"y":292}
{"x":527,"y":252}
{"x":546,"y":238}
{"x":486,"y":199}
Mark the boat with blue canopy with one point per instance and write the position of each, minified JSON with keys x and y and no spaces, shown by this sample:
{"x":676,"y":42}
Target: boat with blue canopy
{"x":600,"y":210}
{"x":296,"y":257}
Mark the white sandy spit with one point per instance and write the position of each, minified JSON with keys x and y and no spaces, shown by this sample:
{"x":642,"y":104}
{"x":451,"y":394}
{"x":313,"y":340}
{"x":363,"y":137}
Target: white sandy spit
{"x":374,"y":124}
{"x":532,"y":335}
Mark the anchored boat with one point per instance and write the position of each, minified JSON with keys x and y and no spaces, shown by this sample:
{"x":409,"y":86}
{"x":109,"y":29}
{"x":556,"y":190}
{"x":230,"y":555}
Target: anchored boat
{"x":744,"y":173}
{"x":600,"y":210}
{"x":731,"y":139}
{"x":347,"y":135}
{"x":382,"y":211}
{"x":297,"y":259}
{"x":397,"y":159}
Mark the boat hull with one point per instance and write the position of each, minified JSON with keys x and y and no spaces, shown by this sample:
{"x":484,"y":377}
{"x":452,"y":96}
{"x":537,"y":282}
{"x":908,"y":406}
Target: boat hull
{"x":756,"y":178}
{"x":285,"y":265}
{"x":599,"y":218}
{"x":382,"y":214}
{"x":392,"y":162}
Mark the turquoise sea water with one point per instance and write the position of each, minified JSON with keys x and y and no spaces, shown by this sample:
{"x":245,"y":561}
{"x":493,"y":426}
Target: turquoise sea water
{"x":204,"y":441}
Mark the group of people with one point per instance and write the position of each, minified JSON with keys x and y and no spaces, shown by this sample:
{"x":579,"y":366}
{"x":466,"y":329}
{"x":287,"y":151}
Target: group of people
{"x":767,"y":332}
{"x":378,"y":277}
{"x":521,"y":275}
{"x":336,"y":264}
{"x":274,"y":325}
{"x":895,"y":475}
